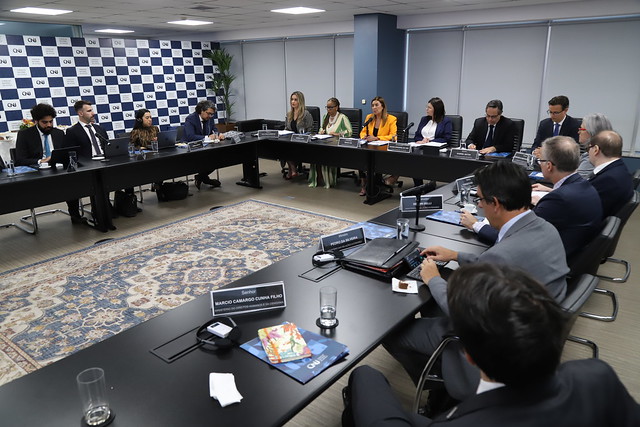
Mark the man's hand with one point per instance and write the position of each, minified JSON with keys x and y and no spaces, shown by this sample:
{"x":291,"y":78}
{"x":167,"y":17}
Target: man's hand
{"x":540,"y":187}
{"x":488,"y":150}
{"x":438,"y":253}
{"x":467,"y":220}
{"x":428,"y":270}
{"x":537,"y":152}
{"x":471,"y":146}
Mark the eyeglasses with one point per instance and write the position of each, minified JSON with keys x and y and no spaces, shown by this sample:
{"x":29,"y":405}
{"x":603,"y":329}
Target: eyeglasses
{"x":489,"y":116}
{"x":477,"y":200}
{"x":554,"y":113}
{"x":541,"y":161}
{"x":330,"y":107}
{"x":590,"y":147}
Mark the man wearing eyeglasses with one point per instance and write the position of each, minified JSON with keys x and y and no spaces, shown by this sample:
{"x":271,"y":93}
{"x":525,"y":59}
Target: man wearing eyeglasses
{"x":492,"y":133}
{"x":611,"y":177}
{"x":524,"y":241}
{"x":558,"y":123}
{"x":573,"y":207}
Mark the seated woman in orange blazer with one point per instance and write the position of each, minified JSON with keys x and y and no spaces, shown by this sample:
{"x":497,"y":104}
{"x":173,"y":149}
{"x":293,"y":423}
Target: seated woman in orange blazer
{"x":380,"y":126}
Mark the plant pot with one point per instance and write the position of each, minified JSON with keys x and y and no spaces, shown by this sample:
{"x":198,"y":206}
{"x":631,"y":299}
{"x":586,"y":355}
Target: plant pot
{"x":226,"y":127}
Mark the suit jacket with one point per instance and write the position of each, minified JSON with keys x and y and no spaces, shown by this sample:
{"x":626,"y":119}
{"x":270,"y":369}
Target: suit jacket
{"x":386,"y":131}
{"x":503,"y":134}
{"x":545,"y":130}
{"x":615,"y":187}
{"x":443,"y":130}
{"x":193,"y":130}
{"x":531,"y":244}
{"x":574,"y":209}
{"x":307,"y":122}
{"x":585,"y":393}
{"x":29,"y":145}
{"x":76,"y":135}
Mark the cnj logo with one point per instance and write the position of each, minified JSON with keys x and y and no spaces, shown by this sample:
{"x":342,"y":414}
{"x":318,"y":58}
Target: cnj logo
{"x":149,"y":96}
{"x":169,"y":78}
{"x":32,"y":40}
{"x":98,"y":80}
{"x":183,"y":102}
{"x":173,"y":111}
{"x":4,"y":61}
{"x":124,"y":79}
{"x":200,"y":85}
{"x":104,"y":117}
{"x":110,"y":71}
{"x":26,"y":93}
{"x":40,"y":82}
{"x":129,"y":115}
{"x":115,"y":107}
{"x":138,"y":105}
{"x":145,"y":61}
{"x":73,"y":100}
{"x":192,"y":94}
{"x":61,"y":111}
{"x":134,"y":70}
{"x":164,"y":120}
{"x":54,"y":72}
{"x":17,"y":50}
{"x":11,"y":104}
{"x":92,"y":42}
{"x":67,"y":61}
{"x":179,"y":70}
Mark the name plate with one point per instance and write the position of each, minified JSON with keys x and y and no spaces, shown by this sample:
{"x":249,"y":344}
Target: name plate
{"x":247,"y":299}
{"x":524,"y":159}
{"x":399,"y":147}
{"x":194,"y":145}
{"x":268,"y":133}
{"x":427,"y":203}
{"x":349,"y":142}
{"x":467,"y":182}
{"x":463,"y":153}
{"x":343,"y":239}
{"x":299,"y":137}
{"x":236,"y":138}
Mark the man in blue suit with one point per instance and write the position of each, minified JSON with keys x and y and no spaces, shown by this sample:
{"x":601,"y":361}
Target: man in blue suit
{"x":573,"y":207}
{"x":197,"y":126}
{"x":611,"y":177}
{"x":558,"y":123}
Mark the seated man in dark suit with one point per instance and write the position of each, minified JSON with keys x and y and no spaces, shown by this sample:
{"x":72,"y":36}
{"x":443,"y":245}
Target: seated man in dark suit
{"x":559,"y":123}
{"x":492,"y":133}
{"x":573,"y":207}
{"x":524,"y":241}
{"x":514,"y":331}
{"x":35,"y":144}
{"x":611,"y":177}
{"x":86,"y":134}
{"x":199,"y":125}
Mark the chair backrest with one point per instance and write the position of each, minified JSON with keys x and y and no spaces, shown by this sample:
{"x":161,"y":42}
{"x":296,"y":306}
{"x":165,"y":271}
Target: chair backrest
{"x":12,"y":154}
{"x":624,"y":214}
{"x":355,"y":118}
{"x":578,"y":291}
{"x":636,"y":179}
{"x":588,"y":259}
{"x":315,"y":114}
{"x":179,"y":133}
{"x":517,"y":138}
{"x":249,"y":125}
{"x":403,"y":120}
{"x":456,"y":130}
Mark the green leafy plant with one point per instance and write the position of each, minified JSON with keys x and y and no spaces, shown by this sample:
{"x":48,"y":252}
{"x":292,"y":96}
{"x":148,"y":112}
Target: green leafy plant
{"x":222,"y":80}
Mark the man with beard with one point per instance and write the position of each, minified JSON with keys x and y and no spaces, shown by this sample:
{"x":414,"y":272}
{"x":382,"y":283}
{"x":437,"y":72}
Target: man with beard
{"x":35,"y":144}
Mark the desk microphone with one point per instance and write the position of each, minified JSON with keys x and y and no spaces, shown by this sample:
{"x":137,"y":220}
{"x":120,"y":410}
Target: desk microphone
{"x":106,"y":142}
{"x":417,"y":191}
{"x":405,"y":130}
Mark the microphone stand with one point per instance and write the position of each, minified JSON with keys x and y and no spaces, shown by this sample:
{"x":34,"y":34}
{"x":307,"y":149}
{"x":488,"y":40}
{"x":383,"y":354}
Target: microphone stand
{"x":417,"y":226}
{"x":105,"y":142}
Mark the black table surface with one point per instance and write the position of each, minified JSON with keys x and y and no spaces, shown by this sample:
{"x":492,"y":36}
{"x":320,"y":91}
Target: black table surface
{"x":145,"y":390}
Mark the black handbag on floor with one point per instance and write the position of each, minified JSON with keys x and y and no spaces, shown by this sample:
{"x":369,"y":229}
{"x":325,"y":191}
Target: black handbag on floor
{"x":126,"y":204}
{"x":172,"y":191}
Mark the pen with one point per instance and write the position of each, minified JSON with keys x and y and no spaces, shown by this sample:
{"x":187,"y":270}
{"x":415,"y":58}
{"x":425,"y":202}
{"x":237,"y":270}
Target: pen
{"x":396,"y":252}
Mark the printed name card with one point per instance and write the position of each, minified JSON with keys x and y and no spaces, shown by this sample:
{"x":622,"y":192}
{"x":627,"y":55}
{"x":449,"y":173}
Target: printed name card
{"x":269,"y":133}
{"x":430,"y":202}
{"x":343,"y":239}
{"x":399,"y":147}
{"x":467,"y":182}
{"x":247,"y":299}
{"x":349,"y":142}
{"x":463,"y":153}
{"x":524,"y":159}
{"x":299,"y":137}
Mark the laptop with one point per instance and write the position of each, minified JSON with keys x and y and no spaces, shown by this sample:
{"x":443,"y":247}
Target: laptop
{"x":61,"y":155}
{"x":117,"y":147}
{"x":167,"y":139}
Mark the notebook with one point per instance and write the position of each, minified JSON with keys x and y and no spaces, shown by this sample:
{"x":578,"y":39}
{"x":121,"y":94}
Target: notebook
{"x":117,"y":147}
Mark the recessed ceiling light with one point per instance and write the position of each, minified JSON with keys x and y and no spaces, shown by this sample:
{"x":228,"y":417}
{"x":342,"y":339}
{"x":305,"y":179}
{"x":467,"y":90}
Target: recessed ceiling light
{"x":113,"y":31}
{"x":41,"y":11}
{"x":297,"y":10}
{"x":190,"y":22}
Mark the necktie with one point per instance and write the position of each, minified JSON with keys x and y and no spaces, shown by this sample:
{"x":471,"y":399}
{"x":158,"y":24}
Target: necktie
{"x":47,"y":149}
{"x":556,"y":129}
{"x":94,"y":141}
{"x":204,"y":128}
{"x":489,"y":141}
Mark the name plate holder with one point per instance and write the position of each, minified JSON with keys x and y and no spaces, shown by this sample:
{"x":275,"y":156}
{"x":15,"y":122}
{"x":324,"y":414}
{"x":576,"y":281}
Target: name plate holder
{"x":195,"y":145}
{"x":463,"y":153}
{"x":343,"y":239}
{"x":300,"y":137}
{"x":248,"y":299}
{"x":349,"y":142}
{"x":465,"y":182}
{"x":428,"y":203}
{"x":268,"y":134}
{"x":399,"y":147}
{"x":524,"y":159}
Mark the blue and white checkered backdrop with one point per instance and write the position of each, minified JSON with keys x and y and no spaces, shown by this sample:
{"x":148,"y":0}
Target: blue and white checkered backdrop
{"x":119,"y":76}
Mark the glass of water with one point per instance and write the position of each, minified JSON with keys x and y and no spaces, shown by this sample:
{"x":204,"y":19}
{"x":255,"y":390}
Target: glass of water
{"x":93,"y":393}
{"x":11,"y":168}
{"x":328,"y":302}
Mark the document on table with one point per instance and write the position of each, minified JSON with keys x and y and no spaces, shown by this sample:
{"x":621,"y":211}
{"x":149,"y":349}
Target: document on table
{"x":323,"y":136}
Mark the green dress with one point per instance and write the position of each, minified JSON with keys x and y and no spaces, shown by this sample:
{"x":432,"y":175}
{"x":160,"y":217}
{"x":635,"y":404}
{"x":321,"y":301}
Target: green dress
{"x":330,"y":173}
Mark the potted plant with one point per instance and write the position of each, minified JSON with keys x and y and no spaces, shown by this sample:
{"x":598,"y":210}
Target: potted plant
{"x":221,"y":84}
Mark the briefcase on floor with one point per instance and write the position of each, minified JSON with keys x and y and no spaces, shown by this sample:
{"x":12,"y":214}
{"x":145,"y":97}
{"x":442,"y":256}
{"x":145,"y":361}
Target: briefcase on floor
{"x":380,"y":257}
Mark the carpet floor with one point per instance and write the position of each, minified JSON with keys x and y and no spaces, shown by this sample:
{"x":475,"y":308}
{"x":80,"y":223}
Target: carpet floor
{"x":54,"y":308}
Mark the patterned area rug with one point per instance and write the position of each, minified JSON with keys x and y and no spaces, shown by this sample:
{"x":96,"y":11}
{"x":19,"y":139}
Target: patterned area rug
{"x":54,"y":308}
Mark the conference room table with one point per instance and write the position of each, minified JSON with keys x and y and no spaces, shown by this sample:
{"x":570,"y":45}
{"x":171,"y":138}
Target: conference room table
{"x":145,"y":390}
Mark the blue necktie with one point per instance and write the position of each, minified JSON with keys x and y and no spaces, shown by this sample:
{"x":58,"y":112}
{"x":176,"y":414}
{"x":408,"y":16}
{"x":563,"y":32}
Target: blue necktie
{"x":556,"y":129}
{"x":47,"y":150}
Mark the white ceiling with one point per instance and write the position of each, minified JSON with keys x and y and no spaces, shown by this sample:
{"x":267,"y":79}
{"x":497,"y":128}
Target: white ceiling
{"x":148,"y":17}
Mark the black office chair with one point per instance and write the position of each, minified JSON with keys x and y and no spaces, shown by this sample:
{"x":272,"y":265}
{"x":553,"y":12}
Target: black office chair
{"x":403,"y":121}
{"x":579,"y":289}
{"x":315,"y":114}
{"x":179,"y":133}
{"x":355,"y":118}
{"x":588,"y":260}
{"x":456,"y":130}
{"x":636,"y":179}
{"x":624,"y":214}
{"x":517,"y":138}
